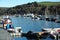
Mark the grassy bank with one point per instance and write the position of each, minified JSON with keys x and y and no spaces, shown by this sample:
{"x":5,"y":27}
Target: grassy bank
{"x":49,"y":3}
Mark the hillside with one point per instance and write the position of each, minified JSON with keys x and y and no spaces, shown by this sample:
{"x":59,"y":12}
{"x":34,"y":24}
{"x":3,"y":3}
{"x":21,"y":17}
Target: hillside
{"x":3,"y":10}
{"x":34,"y":7}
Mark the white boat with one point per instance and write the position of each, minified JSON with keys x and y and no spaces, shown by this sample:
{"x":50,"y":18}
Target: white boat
{"x":52,"y":31}
{"x":15,"y":32}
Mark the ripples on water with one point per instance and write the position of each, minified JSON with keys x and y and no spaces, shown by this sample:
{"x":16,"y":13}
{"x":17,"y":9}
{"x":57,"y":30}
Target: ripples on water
{"x":33,"y":25}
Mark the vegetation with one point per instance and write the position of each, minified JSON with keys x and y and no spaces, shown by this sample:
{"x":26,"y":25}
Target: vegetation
{"x":34,"y":7}
{"x":49,"y":3}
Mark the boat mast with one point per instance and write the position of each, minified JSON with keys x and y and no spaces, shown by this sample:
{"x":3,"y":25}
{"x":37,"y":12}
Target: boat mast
{"x":47,"y":13}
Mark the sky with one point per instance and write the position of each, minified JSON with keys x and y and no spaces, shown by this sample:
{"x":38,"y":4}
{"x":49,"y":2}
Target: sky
{"x":12,"y":3}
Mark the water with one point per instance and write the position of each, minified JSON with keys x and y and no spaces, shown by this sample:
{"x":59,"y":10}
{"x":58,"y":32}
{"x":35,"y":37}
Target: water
{"x":33,"y":25}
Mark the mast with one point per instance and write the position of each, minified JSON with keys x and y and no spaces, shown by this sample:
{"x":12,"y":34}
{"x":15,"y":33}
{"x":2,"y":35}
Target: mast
{"x":47,"y":13}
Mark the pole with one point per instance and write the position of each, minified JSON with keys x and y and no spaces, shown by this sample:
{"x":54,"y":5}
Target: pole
{"x":57,"y":37}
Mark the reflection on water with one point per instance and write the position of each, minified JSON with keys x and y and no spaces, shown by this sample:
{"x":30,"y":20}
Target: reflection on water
{"x":33,"y":25}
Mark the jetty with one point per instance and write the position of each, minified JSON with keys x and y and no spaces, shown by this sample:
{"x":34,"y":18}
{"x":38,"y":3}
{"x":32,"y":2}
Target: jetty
{"x":4,"y":35}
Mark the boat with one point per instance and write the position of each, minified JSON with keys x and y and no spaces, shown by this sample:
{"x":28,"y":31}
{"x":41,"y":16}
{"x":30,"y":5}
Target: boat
{"x":7,"y":25}
{"x":15,"y":30}
{"x":6,"y":20}
{"x":52,"y":31}
{"x":31,"y":35}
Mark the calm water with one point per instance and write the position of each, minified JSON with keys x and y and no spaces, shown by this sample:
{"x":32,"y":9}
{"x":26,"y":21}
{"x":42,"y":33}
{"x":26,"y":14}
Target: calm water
{"x":33,"y":25}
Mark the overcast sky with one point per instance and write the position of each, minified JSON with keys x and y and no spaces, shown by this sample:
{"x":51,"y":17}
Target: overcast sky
{"x":11,"y":3}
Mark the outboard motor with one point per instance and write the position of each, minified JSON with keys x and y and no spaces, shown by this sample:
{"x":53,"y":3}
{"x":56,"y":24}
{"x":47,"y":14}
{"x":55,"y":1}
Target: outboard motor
{"x":18,"y":30}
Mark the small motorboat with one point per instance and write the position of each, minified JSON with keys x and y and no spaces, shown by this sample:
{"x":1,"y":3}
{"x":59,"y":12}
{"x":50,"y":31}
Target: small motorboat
{"x":14,"y":30}
{"x":52,"y":31}
{"x":17,"y":31}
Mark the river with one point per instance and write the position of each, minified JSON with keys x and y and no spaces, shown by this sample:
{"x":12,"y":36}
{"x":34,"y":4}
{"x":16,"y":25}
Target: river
{"x":34,"y":25}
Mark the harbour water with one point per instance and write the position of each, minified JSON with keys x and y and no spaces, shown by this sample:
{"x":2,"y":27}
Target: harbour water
{"x":28,"y":24}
